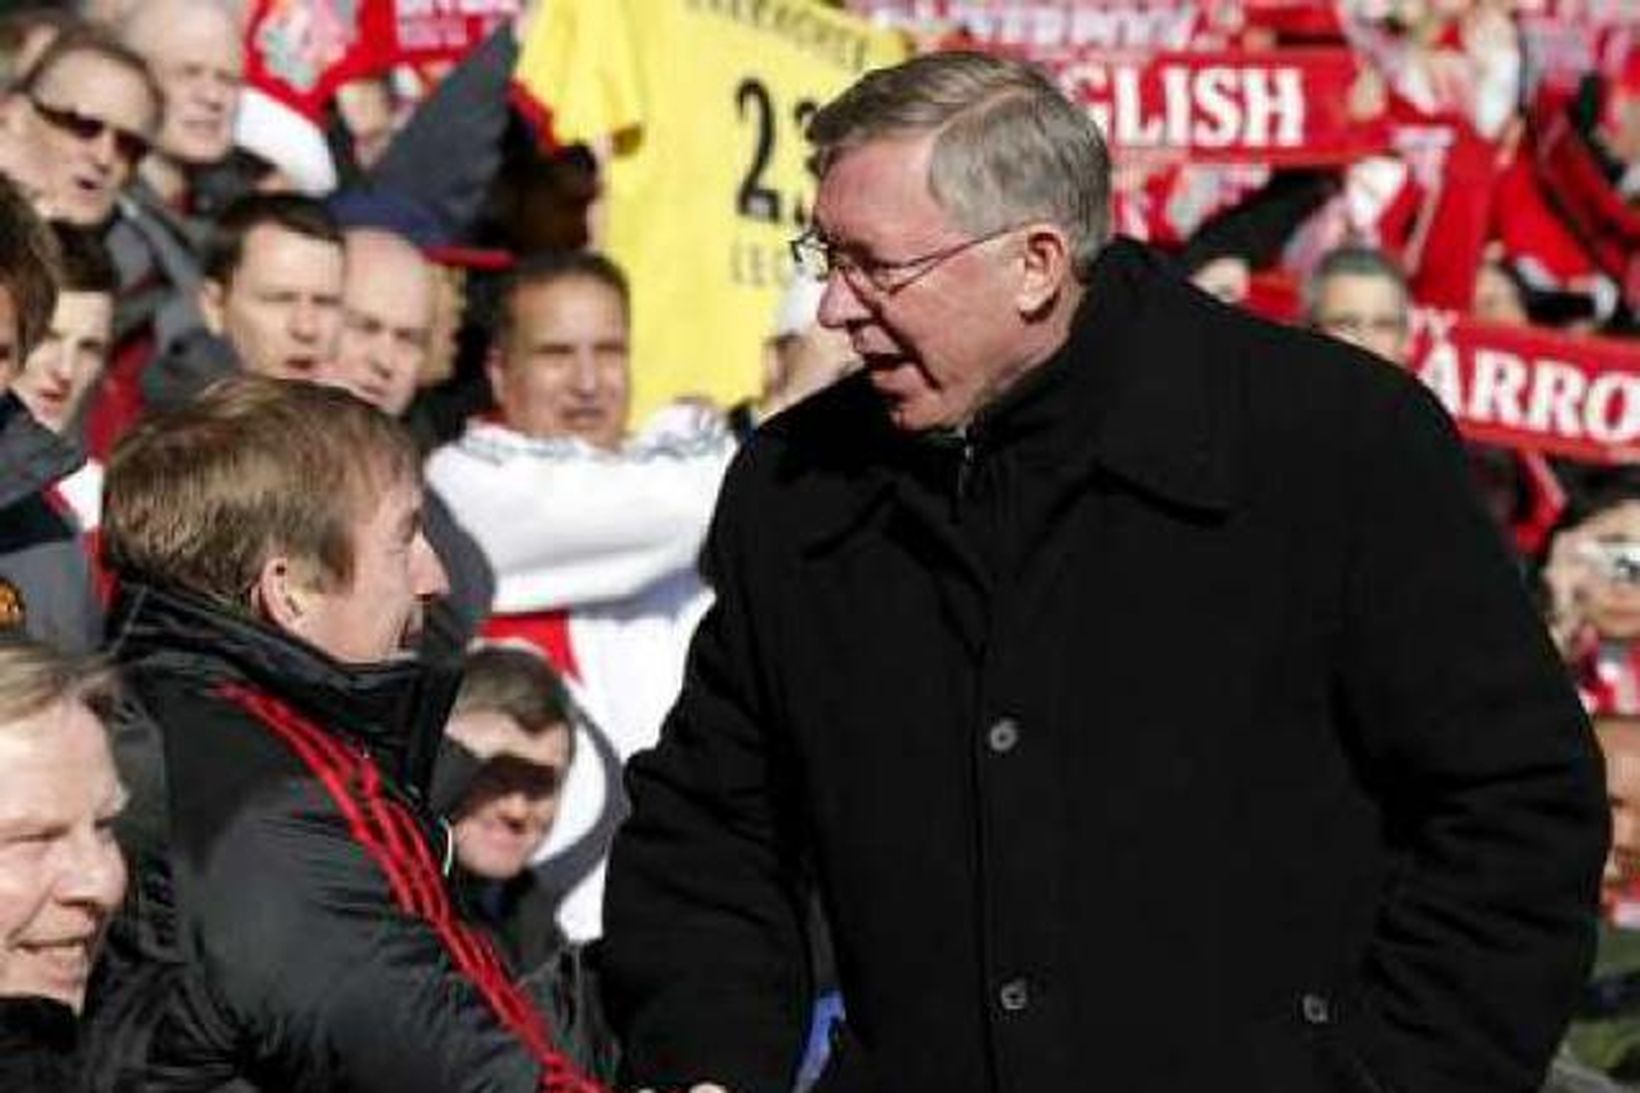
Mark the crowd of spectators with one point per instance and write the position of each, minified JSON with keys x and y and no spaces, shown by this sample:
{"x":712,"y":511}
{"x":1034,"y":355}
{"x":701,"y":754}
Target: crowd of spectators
{"x":433,"y":260}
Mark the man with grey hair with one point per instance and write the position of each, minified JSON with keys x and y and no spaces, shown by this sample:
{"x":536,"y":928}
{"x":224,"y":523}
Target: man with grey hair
{"x":1138,"y":683}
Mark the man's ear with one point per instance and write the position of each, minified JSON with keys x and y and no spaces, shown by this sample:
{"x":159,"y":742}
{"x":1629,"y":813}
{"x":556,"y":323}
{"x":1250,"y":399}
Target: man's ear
{"x":281,"y":597}
{"x":1045,"y":259}
{"x":211,"y":299}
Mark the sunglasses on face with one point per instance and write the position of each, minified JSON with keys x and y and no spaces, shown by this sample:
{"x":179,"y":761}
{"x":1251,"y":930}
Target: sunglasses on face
{"x":129,"y":146}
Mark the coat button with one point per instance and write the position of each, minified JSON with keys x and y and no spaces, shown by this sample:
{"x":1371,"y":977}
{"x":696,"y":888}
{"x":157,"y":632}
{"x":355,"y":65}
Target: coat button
{"x":1003,"y":735}
{"x":1014,"y":995}
{"x":1316,"y":1009}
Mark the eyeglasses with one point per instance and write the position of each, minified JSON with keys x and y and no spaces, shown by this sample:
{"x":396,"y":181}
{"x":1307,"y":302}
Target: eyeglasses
{"x":818,"y":258}
{"x":129,"y":146}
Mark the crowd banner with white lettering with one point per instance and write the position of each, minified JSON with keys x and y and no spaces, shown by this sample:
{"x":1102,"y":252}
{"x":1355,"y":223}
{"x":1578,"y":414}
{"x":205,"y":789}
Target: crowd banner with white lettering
{"x":426,"y":31}
{"x":1285,"y":108}
{"x":1535,"y":389}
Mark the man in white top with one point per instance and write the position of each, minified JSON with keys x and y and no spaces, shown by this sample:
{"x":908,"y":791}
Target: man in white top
{"x":592,"y":531}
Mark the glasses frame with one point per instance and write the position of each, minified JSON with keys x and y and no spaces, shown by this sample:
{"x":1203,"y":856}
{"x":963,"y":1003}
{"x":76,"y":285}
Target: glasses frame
{"x":817,"y":257}
{"x":131,"y":147}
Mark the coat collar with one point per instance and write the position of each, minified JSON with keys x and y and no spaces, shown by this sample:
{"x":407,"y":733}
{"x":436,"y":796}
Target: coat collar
{"x":396,"y":709}
{"x":32,"y":457}
{"x":1157,"y":368}
{"x":1143,"y":389}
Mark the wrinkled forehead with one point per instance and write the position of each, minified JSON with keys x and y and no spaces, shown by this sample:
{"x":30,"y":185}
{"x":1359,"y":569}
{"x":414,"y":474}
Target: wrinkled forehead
{"x":89,"y":80}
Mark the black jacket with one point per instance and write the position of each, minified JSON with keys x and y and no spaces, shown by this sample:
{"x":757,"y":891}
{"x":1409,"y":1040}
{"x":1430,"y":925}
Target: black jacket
{"x":45,"y":575}
{"x":1183,"y":726}
{"x":289,"y":923}
{"x":38,"y":1046}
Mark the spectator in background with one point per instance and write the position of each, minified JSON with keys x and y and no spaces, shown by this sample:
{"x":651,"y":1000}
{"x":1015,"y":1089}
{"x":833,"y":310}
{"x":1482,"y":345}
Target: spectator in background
{"x":593,"y":533}
{"x":1592,"y":581}
{"x":1358,"y":295}
{"x":45,"y":580}
{"x":272,"y":574}
{"x":511,"y":743}
{"x":61,"y":875}
{"x":387,"y":319}
{"x":63,"y":369}
{"x":800,"y":357}
{"x":194,"y":51}
{"x":90,"y":107}
{"x":515,"y":743}
{"x":64,"y":366}
{"x":271,"y":299}
{"x":388,"y":301}
{"x":1500,"y":296}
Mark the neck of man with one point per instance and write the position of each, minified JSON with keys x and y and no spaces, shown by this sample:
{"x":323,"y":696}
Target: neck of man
{"x":168,"y":178}
{"x":1042,"y":340}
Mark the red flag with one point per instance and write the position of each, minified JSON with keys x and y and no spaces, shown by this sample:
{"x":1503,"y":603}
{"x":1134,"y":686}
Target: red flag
{"x":301,"y":51}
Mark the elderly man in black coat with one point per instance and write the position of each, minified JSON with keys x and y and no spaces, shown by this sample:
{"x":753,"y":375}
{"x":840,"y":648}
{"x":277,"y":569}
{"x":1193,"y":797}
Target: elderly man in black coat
{"x":1139,"y":683}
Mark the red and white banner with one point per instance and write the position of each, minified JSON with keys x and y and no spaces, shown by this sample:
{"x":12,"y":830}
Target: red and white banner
{"x":426,"y":31}
{"x":1524,"y":387}
{"x":1033,"y":25}
{"x":1284,"y":108}
{"x":303,"y":50}
{"x":1565,"y":39}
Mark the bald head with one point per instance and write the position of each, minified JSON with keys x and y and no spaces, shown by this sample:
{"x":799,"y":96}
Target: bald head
{"x":194,"y":50}
{"x":387,"y":306}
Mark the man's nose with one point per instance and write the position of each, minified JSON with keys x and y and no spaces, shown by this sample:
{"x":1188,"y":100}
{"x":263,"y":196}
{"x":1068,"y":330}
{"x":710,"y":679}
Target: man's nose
{"x":94,"y":874}
{"x":586,"y":372}
{"x":304,"y":320}
{"x":59,"y":362}
{"x":840,"y":304}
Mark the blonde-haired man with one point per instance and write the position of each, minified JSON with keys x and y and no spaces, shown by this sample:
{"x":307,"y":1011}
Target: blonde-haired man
{"x":267,"y":542}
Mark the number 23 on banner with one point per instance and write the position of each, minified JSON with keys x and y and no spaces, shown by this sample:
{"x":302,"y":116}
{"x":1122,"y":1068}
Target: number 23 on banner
{"x":773,"y":189}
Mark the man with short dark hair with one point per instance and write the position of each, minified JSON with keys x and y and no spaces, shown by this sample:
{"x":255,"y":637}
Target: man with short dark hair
{"x":1139,"y":683}
{"x":70,"y":355}
{"x":1359,"y":295}
{"x":271,"y":298}
{"x":45,"y":577}
{"x":292,"y":927}
{"x":64,"y":367}
{"x":513,"y":741}
{"x":593,"y":533}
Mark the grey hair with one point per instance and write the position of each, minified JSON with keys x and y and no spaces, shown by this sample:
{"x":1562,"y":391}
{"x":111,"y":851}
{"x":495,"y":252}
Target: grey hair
{"x":1354,"y":260}
{"x":1008,"y":146}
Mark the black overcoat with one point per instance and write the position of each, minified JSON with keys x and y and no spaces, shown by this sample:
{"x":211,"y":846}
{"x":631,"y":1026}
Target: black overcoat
{"x":1185,"y":726}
